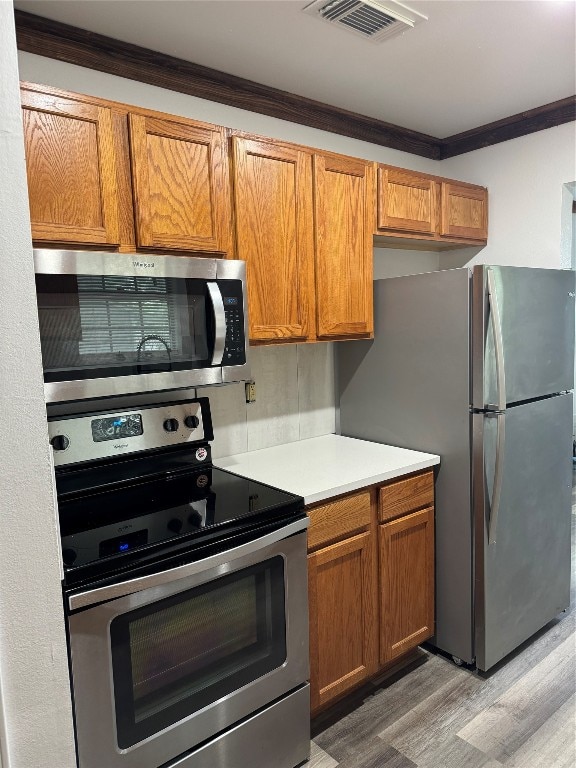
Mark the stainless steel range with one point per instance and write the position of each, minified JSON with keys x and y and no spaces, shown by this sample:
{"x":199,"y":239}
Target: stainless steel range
{"x":186,"y":596}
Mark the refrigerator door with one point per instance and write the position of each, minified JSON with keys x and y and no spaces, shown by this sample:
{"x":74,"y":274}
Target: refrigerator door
{"x":522,"y":574}
{"x":535,"y":335}
{"x":410,"y":387}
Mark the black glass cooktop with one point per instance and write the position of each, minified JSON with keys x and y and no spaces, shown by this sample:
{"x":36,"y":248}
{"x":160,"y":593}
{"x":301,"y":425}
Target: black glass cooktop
{"x":105,"y":528}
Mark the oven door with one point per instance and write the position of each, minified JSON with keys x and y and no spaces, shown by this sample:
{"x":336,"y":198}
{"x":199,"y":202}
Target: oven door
{"x":114,"y":324}
{"x":169,"y":660}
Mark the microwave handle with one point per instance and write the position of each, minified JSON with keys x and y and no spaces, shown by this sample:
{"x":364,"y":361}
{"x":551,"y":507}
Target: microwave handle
{"x":219,"y":322}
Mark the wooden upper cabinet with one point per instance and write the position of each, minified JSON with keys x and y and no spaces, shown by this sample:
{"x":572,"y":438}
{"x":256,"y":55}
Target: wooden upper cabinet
{"x":181,"y":187}
{"x":406,"y":583}
{"x":71,"y":165}
{"x":274,"y":235}
{"x":344,"y":190}
{"x":464,"y":211}
{"x":406,"y":201}
{"x":417,"y":210}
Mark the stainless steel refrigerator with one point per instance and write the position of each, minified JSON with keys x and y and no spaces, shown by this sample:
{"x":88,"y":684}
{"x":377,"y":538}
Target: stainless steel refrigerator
{"x":478,"y":367}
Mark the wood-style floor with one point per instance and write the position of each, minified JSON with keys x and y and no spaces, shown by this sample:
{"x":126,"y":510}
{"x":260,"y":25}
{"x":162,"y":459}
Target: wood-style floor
{"x":438,"y":715}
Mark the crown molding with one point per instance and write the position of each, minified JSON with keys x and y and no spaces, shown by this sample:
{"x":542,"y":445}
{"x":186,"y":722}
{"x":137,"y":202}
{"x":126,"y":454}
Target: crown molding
{"x":73,"y":45}
{"x":87,"y":49}
{"x":538,"y":119}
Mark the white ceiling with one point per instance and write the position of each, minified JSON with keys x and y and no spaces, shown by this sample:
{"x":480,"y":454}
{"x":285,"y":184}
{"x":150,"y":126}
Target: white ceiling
{"x":472,"y":62}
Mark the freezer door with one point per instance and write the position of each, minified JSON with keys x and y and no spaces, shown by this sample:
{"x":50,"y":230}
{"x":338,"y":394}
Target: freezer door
{"x":534,"y":336}
{"x":522,"y":573}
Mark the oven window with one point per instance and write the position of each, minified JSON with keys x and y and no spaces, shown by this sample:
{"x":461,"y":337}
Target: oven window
{"x":93,"y":326}
{"x":178,"y":655}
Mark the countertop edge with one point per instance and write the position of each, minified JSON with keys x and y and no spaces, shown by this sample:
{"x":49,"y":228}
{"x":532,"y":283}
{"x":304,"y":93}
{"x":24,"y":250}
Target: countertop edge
{"x":364,"y":482}
{"x":256,"y":465}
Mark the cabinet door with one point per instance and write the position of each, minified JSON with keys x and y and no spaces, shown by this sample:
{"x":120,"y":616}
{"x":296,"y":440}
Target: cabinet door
{"x":406,"y":583}
{"x":181,"y":188}
{"x":464,"y":211}
{"x":274,"y":235}
{"x":343,"y":617}
{"x":71,"y":167}
{"x":406,"y":201}
{"x":344,"y":211}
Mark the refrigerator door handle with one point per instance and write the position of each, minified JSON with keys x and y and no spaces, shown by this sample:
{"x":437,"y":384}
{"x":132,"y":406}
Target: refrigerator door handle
{"x":497,"y":486}
{"x":498,"y":342}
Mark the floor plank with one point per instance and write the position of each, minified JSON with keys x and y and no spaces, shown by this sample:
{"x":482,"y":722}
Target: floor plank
{"x":554,"y":744}
{"x":319,"y":758}
{"x":452,"y":752}
{"x":501,"y":729}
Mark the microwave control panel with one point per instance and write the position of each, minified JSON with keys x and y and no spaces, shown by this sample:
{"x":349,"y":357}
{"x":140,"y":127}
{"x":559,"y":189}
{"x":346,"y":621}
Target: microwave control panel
{"x":235,"y":343}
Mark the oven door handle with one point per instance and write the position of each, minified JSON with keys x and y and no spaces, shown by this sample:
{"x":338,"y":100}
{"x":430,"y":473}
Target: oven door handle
{"x":104,"y":594}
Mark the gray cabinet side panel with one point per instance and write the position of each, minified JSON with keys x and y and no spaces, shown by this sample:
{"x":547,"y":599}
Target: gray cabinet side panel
{"x":410,"y":387}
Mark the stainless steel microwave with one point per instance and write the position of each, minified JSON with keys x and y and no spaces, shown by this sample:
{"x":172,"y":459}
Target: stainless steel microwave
{"x":114,"y":324}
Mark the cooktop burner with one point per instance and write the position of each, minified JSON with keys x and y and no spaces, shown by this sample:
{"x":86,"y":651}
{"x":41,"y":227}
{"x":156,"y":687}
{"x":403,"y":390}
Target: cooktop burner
{"x":123,"y":519}
{"x":136,"y":486}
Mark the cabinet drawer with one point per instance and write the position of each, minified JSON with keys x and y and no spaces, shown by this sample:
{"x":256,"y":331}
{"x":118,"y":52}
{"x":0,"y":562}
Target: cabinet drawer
{"x":337,"y":519}
{"x":405,"y":496}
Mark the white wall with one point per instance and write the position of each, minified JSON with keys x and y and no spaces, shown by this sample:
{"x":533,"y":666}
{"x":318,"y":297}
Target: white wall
{"x":525,"y":179}
{"x":35,"y":722}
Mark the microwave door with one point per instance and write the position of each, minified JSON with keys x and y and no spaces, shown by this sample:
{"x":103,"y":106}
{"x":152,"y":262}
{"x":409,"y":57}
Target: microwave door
{"x":115,"y":325}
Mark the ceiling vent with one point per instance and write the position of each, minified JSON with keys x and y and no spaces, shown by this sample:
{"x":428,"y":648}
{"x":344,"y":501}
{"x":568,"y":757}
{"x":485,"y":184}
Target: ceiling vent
{"x":370,"y":19}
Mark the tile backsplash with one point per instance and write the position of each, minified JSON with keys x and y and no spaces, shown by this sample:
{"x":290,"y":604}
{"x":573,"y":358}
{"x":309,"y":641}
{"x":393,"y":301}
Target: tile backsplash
{"x":295,"y":399}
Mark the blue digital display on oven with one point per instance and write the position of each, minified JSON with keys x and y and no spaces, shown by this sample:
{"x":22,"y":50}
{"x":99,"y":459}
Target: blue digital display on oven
{"x":230,"y":301}
{"x":124,"y":543}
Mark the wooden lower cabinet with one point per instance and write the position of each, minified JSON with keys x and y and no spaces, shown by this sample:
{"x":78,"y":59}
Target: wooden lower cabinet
{"x":371,"y":592}
{"x":343,"y":617}
{"x":406,"y":554}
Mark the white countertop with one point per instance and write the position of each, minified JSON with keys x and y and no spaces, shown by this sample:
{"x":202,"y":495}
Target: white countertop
{"x":326,"y":466}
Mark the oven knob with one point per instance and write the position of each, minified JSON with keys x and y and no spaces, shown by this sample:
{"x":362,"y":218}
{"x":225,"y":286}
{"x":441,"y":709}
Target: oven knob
{"x":171,"y":425}
{"x":175,"y":525}
{"x":60,"y":442}
{"x":191,"y":422}
{"x":69,"y":556}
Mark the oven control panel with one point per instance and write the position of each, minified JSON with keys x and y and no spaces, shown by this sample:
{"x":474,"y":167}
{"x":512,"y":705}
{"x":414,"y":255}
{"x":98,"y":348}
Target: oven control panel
{"x":93,"y":436}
